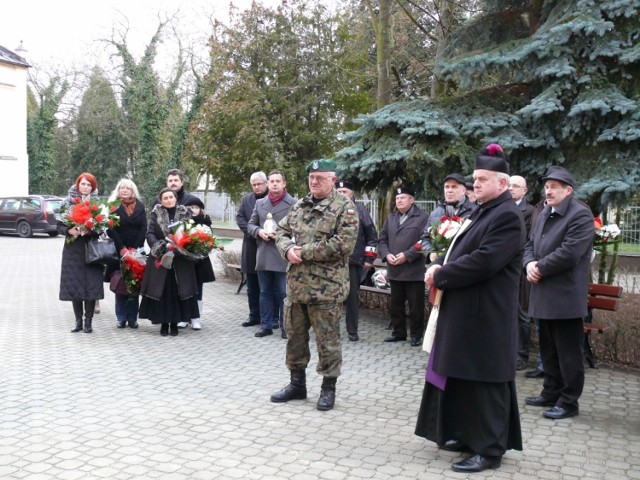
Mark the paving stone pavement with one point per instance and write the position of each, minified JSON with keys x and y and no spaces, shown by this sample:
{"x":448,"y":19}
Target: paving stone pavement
{"x":130,"y":404}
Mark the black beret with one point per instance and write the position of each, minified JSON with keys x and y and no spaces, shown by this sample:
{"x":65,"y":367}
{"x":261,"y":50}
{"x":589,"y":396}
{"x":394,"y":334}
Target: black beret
{"x":406,"y":190}
{"x":468,"y":185}
{"x":344,"y":184}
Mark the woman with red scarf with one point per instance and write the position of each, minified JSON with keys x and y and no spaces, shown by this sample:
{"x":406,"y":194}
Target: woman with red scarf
{"x":128,"y":235}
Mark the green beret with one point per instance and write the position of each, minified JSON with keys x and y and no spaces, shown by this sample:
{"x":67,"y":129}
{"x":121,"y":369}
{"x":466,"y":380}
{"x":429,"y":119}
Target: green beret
{"x":322,"y":166}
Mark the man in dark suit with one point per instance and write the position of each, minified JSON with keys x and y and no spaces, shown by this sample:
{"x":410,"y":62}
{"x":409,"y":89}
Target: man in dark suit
{"x":249,"y":246}
{"x":557,"y":259}
{"x":469,"y":401}
{"x":405,"y":266}
{"x":518,"y":190}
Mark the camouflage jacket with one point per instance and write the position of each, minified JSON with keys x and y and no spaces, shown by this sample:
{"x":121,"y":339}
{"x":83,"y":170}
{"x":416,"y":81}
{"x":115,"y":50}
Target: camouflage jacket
{"x":327,"y":232}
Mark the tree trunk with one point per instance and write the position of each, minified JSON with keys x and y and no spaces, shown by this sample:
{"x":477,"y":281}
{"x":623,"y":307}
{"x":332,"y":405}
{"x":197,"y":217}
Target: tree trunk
{"x":383,"y":53}
{"x":446,"y":9}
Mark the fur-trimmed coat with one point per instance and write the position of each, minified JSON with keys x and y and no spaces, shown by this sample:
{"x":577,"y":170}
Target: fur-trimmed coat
{"x":78,"y":281}
{"x":155,"y":274}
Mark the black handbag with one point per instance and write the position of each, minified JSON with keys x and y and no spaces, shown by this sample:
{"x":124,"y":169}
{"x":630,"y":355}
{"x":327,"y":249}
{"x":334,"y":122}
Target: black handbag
{"x":100,"y":250}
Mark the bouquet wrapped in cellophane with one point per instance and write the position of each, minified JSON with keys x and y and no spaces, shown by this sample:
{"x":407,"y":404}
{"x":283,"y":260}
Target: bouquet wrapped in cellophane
{"x":194,"y":242}
{"x":132,"y":266}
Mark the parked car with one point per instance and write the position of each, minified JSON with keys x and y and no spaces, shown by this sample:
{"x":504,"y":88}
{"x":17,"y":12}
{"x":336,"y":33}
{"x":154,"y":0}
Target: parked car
{"x":29,"y":214}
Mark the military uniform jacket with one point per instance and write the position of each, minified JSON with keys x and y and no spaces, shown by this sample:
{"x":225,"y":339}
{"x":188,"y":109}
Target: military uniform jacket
{"x":396,"y":238}
{"x":562,"y":246}
{"x":268,"y":258}
{"x":477,"y":333}
{"x":327,"y":232}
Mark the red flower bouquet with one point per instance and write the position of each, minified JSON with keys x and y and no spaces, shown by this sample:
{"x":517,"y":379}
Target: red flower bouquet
{"x":442,"y":232}
{"x":132,"y":266}
{"x":89,"y":216}
{"x":605,"y":235}
{"x":194,"y":241}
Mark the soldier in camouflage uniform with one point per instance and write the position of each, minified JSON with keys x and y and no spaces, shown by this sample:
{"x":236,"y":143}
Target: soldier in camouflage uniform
{"x":316,"y":238}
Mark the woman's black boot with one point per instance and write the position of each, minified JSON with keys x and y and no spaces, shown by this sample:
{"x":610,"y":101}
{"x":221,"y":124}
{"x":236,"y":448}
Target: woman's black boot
{"x":77,"y":311}
{"x":174,"y":329}
{"x":164,"y":329}
{"x":89,"y":307}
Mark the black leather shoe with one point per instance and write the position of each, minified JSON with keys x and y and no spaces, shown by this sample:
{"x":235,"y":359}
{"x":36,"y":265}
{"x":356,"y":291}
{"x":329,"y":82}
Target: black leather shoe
{"x":174,"y":329}
{"x":122,"y":324}
{"x":393,"y":338}
{"x":164,"y":329}
{"x":558,"y":413}
{"x":353,"y":337}
{"x":520,"y":364}
{"x":537,"y":373}
{"x":416,"y":342}
{"x":539,"y":401}
{"x":133,"y":324}
{"x":263,"y":332}
{"x":283,"y":334}
{"x":250,"y":323}
{"x":477,"y":463}
{"x":454,"y":446}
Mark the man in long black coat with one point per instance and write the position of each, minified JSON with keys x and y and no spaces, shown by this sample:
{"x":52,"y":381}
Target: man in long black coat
{"x":474,"y":406}
{"x":557,"y":259}
{"x":249,"y":245}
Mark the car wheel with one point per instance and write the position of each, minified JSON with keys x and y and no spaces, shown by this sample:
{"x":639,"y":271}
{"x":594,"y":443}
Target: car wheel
{"x":24,"y":229}
{"x":53,"y":234}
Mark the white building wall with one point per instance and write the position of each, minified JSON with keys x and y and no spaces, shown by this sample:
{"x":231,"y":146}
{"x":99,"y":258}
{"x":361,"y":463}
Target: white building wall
{"x":14,"y":162}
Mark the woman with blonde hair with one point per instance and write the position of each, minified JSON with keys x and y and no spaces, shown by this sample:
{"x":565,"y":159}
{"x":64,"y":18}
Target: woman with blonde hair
{"x":129,"y":234}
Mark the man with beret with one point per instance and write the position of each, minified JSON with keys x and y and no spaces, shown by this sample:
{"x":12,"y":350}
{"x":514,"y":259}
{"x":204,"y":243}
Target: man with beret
{"x":364,"y":254}
{"x":455,"y":204}
{"x":469,"y":403}
{"x":557,"y":259}
{"x":316,"y":237}
{"x":405,"y":266}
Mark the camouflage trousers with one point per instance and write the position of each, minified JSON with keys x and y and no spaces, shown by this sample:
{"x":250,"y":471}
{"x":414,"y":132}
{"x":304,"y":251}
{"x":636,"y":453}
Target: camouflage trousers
{"x":325,"y":320}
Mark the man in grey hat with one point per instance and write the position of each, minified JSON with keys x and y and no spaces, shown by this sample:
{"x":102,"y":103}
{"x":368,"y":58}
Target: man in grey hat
{"x":469,"y":401}
{"x":398,"y":245}
{"x":455,"y":204}
{"x":316,"y":237}
{"x":557,"y":260}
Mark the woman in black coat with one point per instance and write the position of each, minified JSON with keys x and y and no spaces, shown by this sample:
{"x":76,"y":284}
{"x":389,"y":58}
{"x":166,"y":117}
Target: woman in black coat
{"x":204,"y":269}
{"x":80,"y":283}
{"x":129,"y":234}
{"x":169,"y":294}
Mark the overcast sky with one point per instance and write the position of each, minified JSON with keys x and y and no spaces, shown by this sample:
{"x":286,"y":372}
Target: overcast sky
{"x":68,"y":31}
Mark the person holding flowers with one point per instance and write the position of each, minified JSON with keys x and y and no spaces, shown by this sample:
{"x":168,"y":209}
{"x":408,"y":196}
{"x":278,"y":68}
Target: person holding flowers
{"x":128,"y":236}
{"x":169,"y":287}
{"x":204,"y":269}
{"x":80,"y":283}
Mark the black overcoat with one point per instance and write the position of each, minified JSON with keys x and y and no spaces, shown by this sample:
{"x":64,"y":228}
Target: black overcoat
{"x":476,"y":337}
{"x":398,"y":238}
{"x":130,"y":233}
{"x":204,"y":268}
{"x":78,"y":281}
{"x":562,"y":247}
{"x":155,"y":275}
{"x":249,"y":244}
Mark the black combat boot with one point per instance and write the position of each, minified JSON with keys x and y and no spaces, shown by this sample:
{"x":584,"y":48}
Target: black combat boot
{"x":327,"y":394}
{"x":296,"y":390}
{"x":89,"y":307}
{"x":77,"y":311}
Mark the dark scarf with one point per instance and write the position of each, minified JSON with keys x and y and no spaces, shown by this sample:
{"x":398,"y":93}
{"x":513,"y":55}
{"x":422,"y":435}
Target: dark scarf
{"x":275,"y":199}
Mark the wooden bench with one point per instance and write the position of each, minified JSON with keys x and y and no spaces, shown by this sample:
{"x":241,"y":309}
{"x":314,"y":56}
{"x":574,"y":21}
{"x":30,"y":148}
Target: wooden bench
{"x":243,"y":277}
{"x":601,"y":297}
